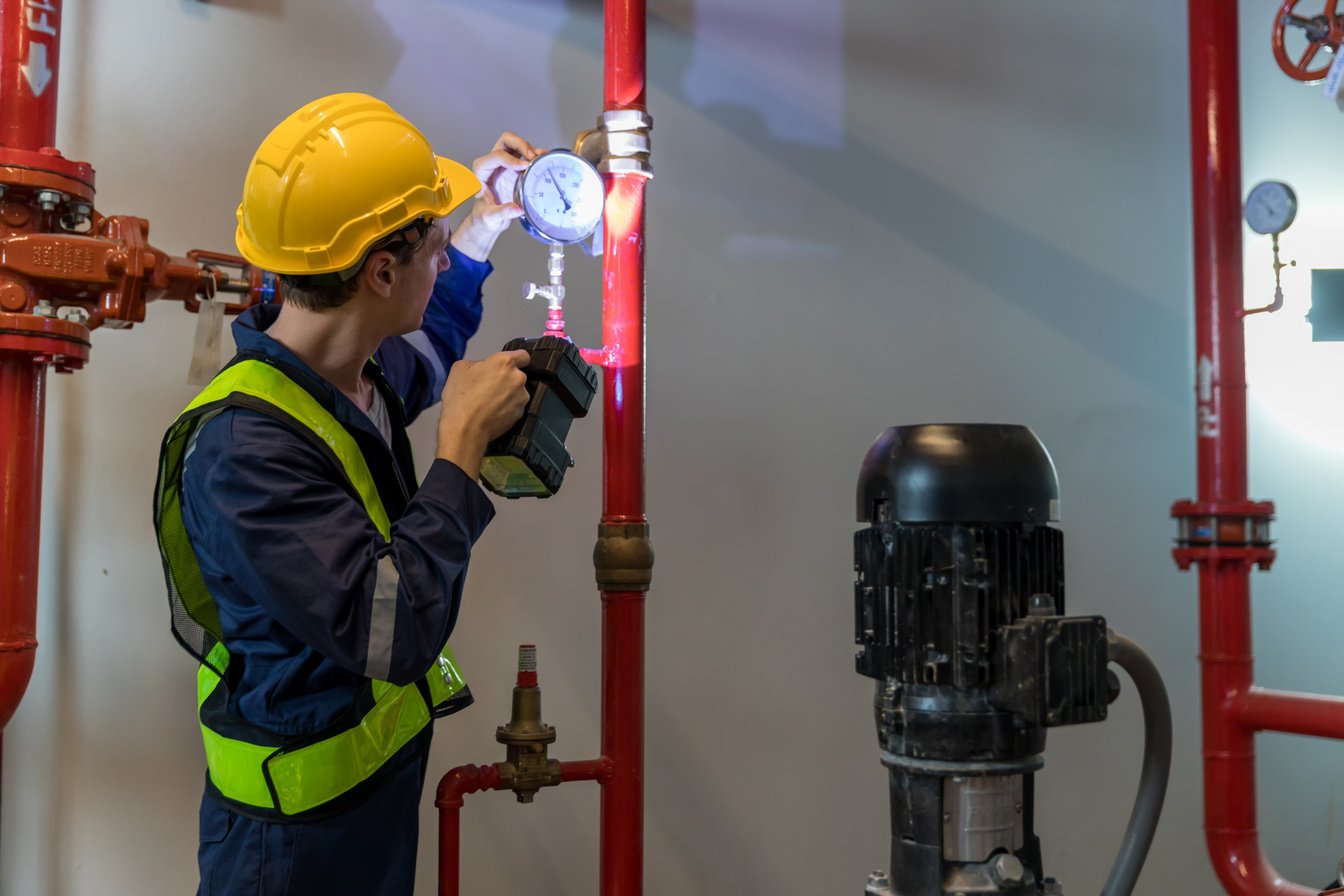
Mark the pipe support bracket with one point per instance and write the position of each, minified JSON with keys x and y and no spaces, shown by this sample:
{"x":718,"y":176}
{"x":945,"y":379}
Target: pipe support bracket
{"x":623,"y":557}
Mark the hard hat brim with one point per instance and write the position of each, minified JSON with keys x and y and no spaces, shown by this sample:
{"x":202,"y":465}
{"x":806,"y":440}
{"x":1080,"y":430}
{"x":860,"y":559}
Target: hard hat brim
{"x":462,"y":183}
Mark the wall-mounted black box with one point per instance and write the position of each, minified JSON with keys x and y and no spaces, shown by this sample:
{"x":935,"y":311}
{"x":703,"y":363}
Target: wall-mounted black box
{"x":1327,"y":305}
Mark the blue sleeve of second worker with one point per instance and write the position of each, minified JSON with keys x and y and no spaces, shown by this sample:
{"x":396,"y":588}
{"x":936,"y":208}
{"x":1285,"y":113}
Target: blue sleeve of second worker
{"x":417,"y":364}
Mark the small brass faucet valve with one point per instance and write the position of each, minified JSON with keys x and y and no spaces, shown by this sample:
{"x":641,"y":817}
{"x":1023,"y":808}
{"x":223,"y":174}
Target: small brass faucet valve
{"x":527,"y":768}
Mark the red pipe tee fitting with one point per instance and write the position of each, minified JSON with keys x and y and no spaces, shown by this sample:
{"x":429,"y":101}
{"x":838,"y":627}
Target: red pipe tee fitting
{"x":1224,"y":534}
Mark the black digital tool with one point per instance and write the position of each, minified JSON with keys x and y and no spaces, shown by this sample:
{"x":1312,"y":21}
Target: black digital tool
{"x":530,"y":459}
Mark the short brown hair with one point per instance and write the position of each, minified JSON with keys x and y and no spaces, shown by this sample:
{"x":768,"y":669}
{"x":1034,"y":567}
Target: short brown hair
{"x":323,"y":292}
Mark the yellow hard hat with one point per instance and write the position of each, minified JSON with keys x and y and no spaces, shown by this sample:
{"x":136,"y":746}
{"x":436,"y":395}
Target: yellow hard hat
{"x":333,"y":178}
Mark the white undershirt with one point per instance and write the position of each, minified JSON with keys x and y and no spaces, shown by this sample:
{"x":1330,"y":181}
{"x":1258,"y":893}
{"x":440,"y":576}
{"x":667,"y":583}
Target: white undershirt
{"x":377,"y":412}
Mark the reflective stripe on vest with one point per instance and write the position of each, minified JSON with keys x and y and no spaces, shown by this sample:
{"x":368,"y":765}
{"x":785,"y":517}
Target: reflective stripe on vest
{"x":264,"y":776}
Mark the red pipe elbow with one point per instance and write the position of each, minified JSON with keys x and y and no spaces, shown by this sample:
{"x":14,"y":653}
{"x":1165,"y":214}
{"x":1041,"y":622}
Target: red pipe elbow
{"x":1243,"y":869}
{"x":16,"y":669}
{"x":463,"y":780}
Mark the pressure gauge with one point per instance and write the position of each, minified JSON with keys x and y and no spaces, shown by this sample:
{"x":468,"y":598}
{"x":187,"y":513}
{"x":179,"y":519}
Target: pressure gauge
{"x":561,"y":196}
{"x":1270,"y":207}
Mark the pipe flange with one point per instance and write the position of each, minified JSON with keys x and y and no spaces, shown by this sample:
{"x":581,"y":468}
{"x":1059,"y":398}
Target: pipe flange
{"x":623,"y":557}
{"x":941,"y":768}
{"x":49,"y":161}
{"x":514,"y":737}
{"x":49,"y":340}
{"x":37,"y":180}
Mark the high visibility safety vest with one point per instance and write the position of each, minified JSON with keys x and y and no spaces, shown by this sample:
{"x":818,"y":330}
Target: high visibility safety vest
{"x":261,"y":773}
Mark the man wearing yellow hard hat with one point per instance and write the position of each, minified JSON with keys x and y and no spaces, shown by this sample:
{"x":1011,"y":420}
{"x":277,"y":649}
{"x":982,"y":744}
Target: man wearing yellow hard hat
{"x":316,"y":582}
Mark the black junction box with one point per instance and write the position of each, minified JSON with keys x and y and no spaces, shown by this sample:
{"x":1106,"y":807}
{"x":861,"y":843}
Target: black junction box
{"x":1327,"y":305}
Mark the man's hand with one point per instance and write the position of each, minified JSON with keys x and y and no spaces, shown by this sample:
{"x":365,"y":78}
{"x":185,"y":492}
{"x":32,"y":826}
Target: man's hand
{"x":481,"y":400}
{"x":494,"y":207}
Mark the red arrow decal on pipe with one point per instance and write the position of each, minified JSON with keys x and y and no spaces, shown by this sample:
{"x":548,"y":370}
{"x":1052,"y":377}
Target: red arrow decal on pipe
{"x":35,"y":69}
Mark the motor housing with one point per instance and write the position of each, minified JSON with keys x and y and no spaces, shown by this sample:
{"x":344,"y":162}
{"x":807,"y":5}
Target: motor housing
{"x":959,"y":603}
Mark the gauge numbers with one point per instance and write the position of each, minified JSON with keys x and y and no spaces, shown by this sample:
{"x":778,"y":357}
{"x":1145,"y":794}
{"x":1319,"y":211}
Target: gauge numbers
{"x":561,"y":196}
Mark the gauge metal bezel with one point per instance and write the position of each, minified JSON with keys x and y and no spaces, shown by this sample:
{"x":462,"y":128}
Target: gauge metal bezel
{"x":535,"y":223}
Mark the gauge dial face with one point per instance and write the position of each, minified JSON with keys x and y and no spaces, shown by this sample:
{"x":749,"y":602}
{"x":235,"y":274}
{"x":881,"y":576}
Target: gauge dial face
{"x":1270,"y":207}
{"x":562,"y":197}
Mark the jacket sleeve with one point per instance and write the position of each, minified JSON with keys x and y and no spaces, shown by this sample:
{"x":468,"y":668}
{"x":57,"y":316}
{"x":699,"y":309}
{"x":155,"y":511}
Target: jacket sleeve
{"x":417,"y":364}
{"x":276,"y":515}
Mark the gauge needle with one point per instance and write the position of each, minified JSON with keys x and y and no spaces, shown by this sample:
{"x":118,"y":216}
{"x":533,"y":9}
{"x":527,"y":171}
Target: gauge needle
{"x":556,"y":184}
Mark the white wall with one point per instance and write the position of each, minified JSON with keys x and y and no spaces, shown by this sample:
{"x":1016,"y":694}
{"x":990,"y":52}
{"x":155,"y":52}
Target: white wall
{"x":865,"y":213}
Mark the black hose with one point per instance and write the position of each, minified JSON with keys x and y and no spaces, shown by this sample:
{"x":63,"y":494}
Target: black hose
{"x":1156,"y":764}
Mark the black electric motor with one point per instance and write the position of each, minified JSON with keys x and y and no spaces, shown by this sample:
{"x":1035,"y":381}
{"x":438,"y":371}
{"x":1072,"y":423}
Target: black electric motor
{"x":959,"y":604}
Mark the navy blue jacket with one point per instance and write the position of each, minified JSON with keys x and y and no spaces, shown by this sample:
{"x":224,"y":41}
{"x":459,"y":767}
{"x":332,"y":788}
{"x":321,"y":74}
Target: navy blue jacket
{"x":291,"y":558}
{"x":288,"y":551}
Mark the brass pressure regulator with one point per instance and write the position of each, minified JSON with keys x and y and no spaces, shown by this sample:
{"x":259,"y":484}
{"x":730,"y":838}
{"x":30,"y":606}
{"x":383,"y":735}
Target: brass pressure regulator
{"x":527,"y":768}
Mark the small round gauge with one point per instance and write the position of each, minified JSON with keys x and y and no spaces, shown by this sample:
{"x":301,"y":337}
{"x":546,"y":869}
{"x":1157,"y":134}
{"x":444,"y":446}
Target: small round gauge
{"x":562,"y":196}
{"x":1270,"y":207}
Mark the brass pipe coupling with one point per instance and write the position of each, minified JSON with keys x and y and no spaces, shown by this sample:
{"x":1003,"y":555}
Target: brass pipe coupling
{"x":527,"y":768}
{"x":623,"y":557}
{"x":620,"y":144}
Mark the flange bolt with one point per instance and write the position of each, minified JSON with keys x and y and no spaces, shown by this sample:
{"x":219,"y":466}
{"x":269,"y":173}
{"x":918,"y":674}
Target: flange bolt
{"x":878,"y":883}
{"x":47,"y":200}
{"x":1006,"y":868}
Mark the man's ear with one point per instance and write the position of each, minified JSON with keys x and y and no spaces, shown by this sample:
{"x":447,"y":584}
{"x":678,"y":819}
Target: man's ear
{"x":379,"y":273}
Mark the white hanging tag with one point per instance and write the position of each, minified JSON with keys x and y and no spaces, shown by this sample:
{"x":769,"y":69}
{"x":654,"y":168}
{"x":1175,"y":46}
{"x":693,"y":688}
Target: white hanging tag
{"x":593,"y":245}
{"x":1334,"y":78}
{"x":205,"y":361}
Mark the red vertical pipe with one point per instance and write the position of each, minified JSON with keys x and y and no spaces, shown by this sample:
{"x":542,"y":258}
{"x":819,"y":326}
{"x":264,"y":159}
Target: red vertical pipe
{"x":29,"y":53}
{"x":22,"y":399}
{"x":29,"y":41}
{"x":623,"y":336}
{"x":1224,"y":582}
{"x":622,"y":825}
{"x":623,"y":54}
{"x":622,"y":814}
{"x":1229,"y":747}
{"x":621,"y":868}
{"x":1215,"y":145}
{"x":450,"y":845}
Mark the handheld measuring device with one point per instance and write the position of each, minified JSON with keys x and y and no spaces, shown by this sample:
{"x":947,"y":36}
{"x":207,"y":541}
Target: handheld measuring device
{"x":530,"y":459}
{"x":562,"y":198}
